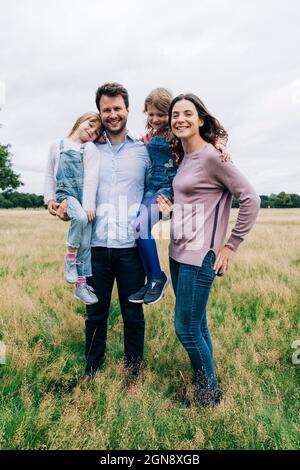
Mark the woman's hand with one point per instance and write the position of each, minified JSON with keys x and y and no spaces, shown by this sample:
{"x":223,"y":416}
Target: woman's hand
{"x":90,"y":215}
{"x":164,"y":205}
{"x":223,"y":259}
{"x":52,"y":206}
{"x":61,"y":211}
{"x":224,"y":151}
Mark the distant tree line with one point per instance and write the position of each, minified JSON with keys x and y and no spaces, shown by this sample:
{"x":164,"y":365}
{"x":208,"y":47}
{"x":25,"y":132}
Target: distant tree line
{"x":281,"y":200}
{"x":9,"y":200}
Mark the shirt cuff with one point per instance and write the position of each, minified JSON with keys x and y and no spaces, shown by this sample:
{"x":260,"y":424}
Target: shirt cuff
{"x":234,"y":242}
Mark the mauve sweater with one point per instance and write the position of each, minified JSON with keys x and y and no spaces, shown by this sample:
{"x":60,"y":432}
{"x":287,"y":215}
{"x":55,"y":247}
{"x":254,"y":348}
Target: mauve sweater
{"x":203,"y":189}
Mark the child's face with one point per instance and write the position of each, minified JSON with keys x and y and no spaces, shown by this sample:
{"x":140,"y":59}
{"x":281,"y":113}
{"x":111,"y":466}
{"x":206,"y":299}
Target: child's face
{"x":156,"y":118}
{"x":88,"y":131}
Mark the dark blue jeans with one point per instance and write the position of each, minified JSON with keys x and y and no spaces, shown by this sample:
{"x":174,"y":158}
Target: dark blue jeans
{"x":192,"y":285}
{"x":124,"y":265}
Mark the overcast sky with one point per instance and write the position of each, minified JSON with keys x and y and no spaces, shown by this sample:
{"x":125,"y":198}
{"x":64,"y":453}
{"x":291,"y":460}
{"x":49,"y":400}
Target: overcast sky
{"x":240,"y":57}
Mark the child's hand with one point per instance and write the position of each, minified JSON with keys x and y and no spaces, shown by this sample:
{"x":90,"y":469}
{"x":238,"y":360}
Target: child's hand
{"x":62,"y":211}
{"x":164,"y":204}
{"x":52,"y":206}
{"x":224,"y":151}
{"x":90,"y":215}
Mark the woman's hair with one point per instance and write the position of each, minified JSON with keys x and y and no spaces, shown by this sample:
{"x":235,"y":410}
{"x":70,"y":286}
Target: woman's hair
{"x":211,"y":129}
{"x":91,"y":117}
{"x":161,"y":98}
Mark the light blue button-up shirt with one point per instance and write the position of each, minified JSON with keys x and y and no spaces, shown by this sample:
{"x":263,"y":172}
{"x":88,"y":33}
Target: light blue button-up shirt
{"x":122,"y":180}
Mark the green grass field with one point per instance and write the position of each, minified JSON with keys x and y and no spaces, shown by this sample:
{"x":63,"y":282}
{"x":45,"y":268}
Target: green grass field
{"x":254,"y":317}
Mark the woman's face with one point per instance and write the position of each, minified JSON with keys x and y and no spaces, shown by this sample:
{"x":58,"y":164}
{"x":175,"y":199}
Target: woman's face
{"x":156,"y":118}
{"x":185,"y":121}
{"x":88,"y":131}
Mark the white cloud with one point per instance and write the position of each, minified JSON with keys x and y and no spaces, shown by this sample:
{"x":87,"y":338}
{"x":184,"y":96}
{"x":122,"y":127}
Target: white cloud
{"x":239,"y":57}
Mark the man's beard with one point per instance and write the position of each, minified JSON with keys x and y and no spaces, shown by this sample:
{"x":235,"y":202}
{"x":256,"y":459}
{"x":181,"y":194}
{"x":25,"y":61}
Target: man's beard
{"x":115,"y":131}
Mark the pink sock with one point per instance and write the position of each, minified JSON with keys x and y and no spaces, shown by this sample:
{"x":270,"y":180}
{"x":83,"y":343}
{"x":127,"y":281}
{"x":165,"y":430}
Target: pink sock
{"x":70,"y":255}
{"x":81,"y":281}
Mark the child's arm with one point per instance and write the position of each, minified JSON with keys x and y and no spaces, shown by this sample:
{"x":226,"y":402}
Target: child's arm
{"x":49,"y":182}
{"x":91,"y":179}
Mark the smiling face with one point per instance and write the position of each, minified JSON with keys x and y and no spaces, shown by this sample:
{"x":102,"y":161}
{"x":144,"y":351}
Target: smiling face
{"x":185,"y":121}
{"x":156,"y":119}
{"x":88,"y":131}
{"x":113,"y":114}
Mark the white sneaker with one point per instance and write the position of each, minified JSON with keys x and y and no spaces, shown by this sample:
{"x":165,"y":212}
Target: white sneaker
{"x":70,"y":270}
{"x":85,"y":293}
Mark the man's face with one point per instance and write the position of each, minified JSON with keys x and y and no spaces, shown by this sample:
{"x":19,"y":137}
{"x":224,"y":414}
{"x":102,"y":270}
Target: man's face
{"x":113,"y":114}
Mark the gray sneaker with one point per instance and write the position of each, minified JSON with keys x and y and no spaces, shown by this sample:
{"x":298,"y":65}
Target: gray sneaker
{"x":70,"y":270}
{"x":86,"y":294}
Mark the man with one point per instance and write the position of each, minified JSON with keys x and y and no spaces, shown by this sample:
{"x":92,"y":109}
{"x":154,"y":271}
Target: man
{"x":124,"y":166}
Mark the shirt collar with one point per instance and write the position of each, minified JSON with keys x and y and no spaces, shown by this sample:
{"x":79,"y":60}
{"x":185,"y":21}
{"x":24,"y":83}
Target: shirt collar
{"x":129,"y":136}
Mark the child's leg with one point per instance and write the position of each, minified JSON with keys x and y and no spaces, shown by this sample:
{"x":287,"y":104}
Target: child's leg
{"x":149,"y":216}
{"x":84,"y":267}
{"x":79,"y":236}
{"x":78,"y":224}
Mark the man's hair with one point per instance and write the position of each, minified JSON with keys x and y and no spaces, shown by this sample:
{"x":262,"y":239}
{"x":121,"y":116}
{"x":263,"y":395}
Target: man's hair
{"x":112,"y":89}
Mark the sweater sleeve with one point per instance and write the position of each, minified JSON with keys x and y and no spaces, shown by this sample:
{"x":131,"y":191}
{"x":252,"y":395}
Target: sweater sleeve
{"x":91,"y":176}
{"x":227,"y":174}
{"x":50,"y":181}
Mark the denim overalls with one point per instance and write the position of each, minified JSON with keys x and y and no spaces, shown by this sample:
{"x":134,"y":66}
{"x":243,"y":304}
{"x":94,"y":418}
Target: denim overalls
{"x":164,"y":168}
{"x":69,"y":175}
{"x":69,"y":184}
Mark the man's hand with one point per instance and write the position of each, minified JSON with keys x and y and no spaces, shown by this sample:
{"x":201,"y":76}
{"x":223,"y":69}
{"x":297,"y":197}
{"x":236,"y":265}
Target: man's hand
{"x":52,"y":206}
{"x":164,"y":205}
{"x":90,"y":215}
{"x":223,"y":259}
{"x":61,"y":211}
{"x":224,"y":151}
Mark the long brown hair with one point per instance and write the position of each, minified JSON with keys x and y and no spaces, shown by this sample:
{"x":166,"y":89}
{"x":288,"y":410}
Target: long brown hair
{"x":211,"y":129}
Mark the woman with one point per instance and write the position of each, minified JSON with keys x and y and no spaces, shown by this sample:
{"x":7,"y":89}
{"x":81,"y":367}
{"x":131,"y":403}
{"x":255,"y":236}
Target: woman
{"x":203,"y":189}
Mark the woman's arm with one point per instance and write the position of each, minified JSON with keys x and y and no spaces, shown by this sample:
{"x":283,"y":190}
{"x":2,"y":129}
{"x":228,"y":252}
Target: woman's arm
{"x":249,"y":203}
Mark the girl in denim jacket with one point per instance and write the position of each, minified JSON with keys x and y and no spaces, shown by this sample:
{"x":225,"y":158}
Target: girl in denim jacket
{"x":166,"y":153}
{"x":72,"y":176}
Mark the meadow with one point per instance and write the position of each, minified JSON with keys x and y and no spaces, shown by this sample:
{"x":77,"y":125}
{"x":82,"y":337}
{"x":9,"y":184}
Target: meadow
{"x":254,"y":318}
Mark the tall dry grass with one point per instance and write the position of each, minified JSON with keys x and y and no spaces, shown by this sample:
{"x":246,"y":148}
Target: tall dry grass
{"x":254,"y":318}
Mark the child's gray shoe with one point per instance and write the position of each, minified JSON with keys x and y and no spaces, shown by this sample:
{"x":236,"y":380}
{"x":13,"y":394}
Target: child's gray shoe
{"x":86,"y":294}
{"x":70,"y":270}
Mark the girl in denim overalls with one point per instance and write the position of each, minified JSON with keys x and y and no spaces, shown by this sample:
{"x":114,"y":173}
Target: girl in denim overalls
{"x":72,"y":176}
{"x":166,"y":153}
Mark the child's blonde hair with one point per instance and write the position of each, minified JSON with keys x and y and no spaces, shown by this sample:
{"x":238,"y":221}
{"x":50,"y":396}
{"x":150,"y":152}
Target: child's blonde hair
{"x":161,"y":98}
{"x":89,"y":116}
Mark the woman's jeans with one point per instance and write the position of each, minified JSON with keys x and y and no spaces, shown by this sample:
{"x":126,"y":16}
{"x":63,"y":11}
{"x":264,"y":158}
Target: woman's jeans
{"x":79,"y":236}
{"x":192,"y":285}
